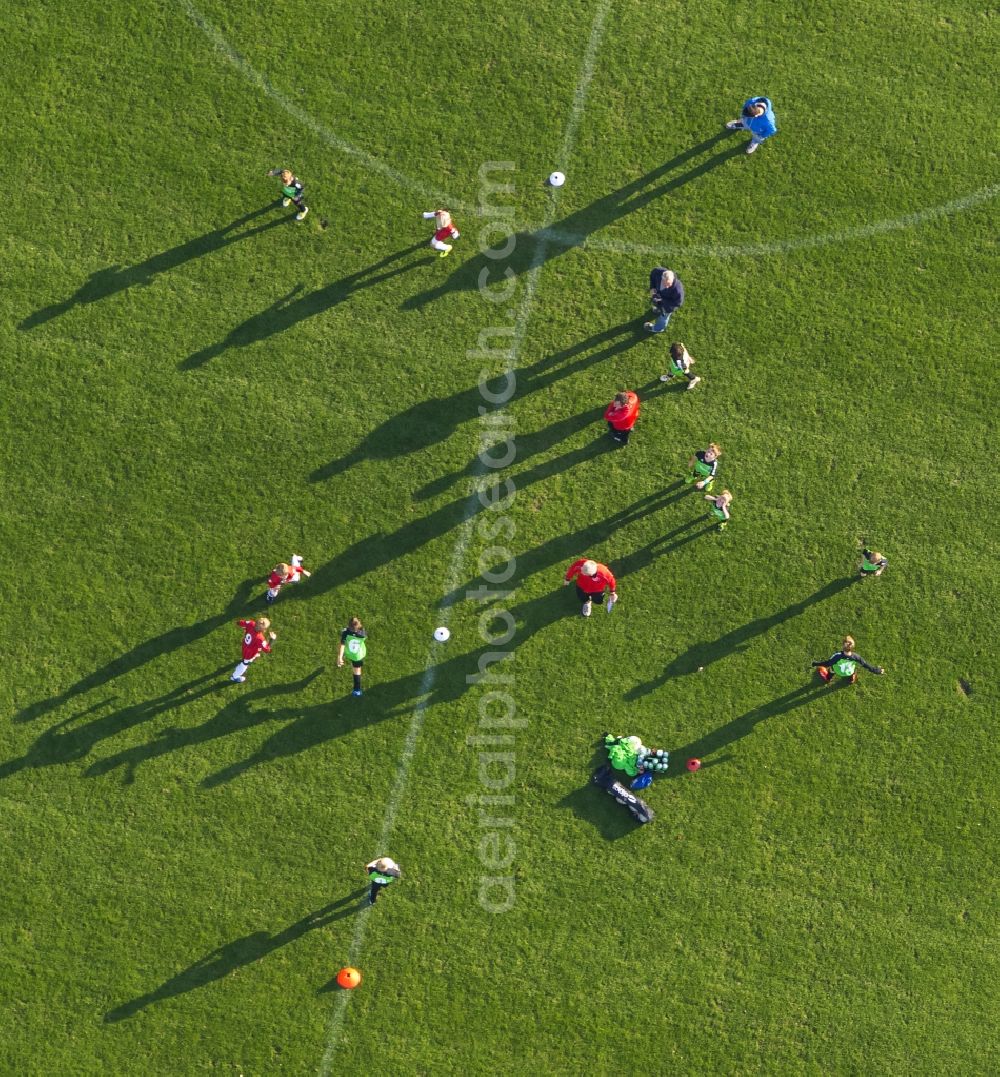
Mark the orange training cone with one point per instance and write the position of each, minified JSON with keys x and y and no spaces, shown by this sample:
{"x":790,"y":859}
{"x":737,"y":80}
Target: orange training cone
{"x":348,"y":978}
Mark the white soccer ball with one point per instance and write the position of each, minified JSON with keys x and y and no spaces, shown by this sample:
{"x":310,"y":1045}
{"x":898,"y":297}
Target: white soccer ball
{"x":556,"y":179}
{"x":442,"y":634}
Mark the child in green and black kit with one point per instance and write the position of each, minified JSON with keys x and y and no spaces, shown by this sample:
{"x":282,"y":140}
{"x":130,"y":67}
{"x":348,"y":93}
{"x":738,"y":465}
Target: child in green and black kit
{"x":680,"y":365}
{"x":292,"y":191}
{"x":720,"y":507}
{"x":704,"y":465}
{"x":872,"y":563}
{"x":353,"y":640}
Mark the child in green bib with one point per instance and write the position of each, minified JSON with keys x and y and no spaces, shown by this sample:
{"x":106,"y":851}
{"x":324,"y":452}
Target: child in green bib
{"x":872,"y":563}
{"x":353,"y":641}
{"x":704,"y":465}
{"x":292,"y":191}
{"x":844,"y":664}
{"x":719,"y":507}
{"x":680,"y":365}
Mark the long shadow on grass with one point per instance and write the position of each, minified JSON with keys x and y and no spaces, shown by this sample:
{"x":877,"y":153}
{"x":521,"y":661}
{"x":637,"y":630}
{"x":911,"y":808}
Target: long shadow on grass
{"x":168,"y":641}
{"x":288,"y":311}
{"x":562,"y":549}
{"x":705,"y":653}
{"x":745,"y":724}
{"x":238,"y":954}
{"x":235,"y":717}
{"x":430,"y":421}
{"x":114,"y":279}
{"x":66,"y":742}
{"x":574,"y":230}
{"x":374,"y":551}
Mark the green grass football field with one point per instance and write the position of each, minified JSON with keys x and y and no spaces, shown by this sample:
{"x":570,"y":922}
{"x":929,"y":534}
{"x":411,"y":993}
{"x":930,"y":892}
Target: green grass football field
{"x":196,"y":386}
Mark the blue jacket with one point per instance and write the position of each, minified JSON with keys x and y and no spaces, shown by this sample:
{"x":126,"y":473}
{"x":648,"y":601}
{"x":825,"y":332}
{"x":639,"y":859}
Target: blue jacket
{"x":760,"y":126}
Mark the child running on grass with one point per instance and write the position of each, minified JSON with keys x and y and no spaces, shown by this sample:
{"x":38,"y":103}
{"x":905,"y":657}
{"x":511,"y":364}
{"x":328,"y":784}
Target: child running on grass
{"x":680,"y":365}
{"x":257,"y":640}
{"x":353,"y":640}
{"x":444,"y":229}
{"x":872,"y":563}
{"x":282,"y":574}
{"x":844,"y":663}
{"x":292,"y":191}
{"x":704,"y":465}
{"x":621,"y":416}
{"x":719,"y":508}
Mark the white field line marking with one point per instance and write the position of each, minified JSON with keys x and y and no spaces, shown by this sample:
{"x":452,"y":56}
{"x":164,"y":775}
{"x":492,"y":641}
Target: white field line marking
{"x":458,"y":554}
{"x":255,"y":78}
{"x":756,"y":250}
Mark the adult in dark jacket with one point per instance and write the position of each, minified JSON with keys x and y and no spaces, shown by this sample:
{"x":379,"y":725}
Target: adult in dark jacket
{"x":666,"y":293}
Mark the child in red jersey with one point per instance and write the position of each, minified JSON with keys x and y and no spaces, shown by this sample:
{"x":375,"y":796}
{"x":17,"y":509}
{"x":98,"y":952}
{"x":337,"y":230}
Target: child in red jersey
{"x":444,"y":230}
{"x":592,"y":579}
{"x":282,"y":574}
{"x":256,"y":639}
{"x":621,"y":416}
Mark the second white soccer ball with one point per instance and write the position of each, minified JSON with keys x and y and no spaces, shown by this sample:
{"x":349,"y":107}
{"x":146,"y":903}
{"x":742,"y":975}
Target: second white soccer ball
{"x":556,"y":179}
{"x":442,"y":634}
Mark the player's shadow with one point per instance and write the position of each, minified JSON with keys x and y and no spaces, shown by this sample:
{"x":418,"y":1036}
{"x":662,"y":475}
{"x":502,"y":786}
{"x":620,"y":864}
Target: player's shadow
{"x":703,"y":654}
{"x":575,"y":229}
{"x":430,"y":421}
{"x":744,"y":725}
{"x":562,"y":549}
{"x":113,"y":279}
{"x":238,"y":954}
{"x":495,"y":446}
{"x":67,"y":742}
{"x":288,"y":311}
{"x":236,"y":716}
{"x":168,"y":641}
{"x":374,"y":551}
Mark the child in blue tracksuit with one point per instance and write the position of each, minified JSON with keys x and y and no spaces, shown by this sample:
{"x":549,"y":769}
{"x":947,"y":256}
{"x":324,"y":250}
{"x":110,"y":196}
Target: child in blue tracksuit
{"x":757,"y":117}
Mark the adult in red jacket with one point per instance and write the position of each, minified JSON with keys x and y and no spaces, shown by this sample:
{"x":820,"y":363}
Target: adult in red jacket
{"x":621,"y":416}
{"x":592,"y":579}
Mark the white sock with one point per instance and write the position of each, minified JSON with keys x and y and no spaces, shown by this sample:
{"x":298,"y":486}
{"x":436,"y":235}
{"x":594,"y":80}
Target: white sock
{"x":239,"y":671}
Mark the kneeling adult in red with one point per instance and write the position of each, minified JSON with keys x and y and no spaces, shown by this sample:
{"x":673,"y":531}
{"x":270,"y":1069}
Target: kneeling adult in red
{"x":621,"y":416}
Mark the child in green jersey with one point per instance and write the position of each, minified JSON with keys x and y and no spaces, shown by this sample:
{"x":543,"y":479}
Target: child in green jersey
{"x":353,"y":640}
{"x":844,"y":663}
{"x":872,"y":563}
{"x":720,"y":507}
{"x":381,"y":873}
{"x":680,"y":365}
{"x":292,"y":191}
{"x":704,"y":465}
